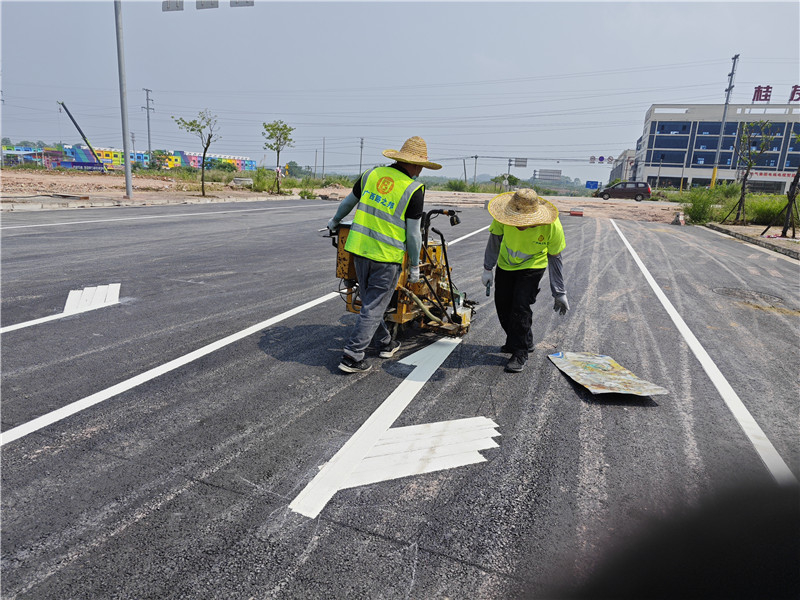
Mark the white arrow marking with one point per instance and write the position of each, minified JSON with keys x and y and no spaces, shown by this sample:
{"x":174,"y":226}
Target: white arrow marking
{"x":374,"y":446}
{"x":418,"y":449}
{"x":78,"y":301}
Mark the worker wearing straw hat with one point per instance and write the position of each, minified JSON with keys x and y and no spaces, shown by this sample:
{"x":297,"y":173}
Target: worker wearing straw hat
{"x":525,"y":237}
{"x":389,"y":210}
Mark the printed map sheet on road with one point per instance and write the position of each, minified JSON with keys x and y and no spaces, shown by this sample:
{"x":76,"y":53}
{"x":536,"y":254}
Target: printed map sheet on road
{"x":601,"y":374}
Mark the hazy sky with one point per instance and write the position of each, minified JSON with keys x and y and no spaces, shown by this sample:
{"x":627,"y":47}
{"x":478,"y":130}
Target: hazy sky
{"x":554,"y":82}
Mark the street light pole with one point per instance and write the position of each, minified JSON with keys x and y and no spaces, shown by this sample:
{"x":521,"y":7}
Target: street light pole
{"x":724,"y":116}
{"x":123,"y":100}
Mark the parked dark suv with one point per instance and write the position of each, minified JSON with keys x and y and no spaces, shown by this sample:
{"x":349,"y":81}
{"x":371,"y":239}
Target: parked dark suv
{"x":638,"y":190}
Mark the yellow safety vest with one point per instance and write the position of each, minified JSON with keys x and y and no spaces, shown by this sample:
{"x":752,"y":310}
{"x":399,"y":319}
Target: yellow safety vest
{"x":528,"y":248}
{"x":378,"y":231}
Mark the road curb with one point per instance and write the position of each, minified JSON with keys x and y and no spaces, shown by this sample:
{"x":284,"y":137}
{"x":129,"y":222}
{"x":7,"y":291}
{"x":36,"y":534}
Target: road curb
{"x":795,"y":254}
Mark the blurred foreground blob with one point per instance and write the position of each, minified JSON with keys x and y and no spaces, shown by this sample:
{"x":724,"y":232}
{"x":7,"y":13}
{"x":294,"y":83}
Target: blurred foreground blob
{"x":740,"y":544}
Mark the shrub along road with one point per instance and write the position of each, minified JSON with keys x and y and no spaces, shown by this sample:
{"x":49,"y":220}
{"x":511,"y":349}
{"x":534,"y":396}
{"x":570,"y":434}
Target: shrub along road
{"x":179,"y":484}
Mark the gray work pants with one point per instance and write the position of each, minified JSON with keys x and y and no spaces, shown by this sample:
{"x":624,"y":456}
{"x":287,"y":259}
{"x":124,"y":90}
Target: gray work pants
{"x":376,"y":282}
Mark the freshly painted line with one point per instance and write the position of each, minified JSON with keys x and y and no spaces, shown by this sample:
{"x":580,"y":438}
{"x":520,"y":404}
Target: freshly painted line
{"x":769,"y":455}
{"x":75,"y":407}
{"x":313,"y":498}
{"x":176,"y":216}
{"x":439,"y":463}
{"x":78,"y":301}
{"x":463,"y":237}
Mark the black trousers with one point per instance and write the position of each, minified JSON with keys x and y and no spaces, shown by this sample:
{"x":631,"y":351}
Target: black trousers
{"x":514,"y":294}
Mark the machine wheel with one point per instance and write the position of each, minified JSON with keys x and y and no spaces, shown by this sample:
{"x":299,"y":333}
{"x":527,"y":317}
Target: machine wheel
{"x":606,"y":196}
{"x":639,"y":197}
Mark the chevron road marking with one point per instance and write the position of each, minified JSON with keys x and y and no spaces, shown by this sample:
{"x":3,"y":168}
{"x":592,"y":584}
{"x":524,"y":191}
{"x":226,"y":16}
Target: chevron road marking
{"x":78,"y":301}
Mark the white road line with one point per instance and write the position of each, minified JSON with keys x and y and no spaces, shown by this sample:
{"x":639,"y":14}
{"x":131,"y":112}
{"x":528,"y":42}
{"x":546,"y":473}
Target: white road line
{"x":463,"y":237}
{"x":78,"y":301}
{"x":176,"y":216}
{"x":66,"y":411}
{"x":335,"y":474}
{"x":766,"y":451}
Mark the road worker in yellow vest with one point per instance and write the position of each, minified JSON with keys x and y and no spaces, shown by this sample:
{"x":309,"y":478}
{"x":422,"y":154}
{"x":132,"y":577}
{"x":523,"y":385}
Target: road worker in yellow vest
{"x":525,"y":238}
{"x":387,"y":224}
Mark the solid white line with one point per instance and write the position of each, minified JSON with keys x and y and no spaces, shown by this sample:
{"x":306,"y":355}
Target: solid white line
{"x":766,"y":451}
{"x":203,"y":214}
{"x":335,"y":473}
{"x":75,"y":407}
{"x":463,"y":237}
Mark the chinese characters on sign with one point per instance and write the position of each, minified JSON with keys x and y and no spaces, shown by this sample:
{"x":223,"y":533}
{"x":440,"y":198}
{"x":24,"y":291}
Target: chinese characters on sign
{"x":763,"y":93}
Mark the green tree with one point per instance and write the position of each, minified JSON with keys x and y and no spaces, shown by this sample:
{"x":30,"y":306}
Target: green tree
{"x":753,"y":141}
{"x":205,"y":128}
{"x":279,"y":136}
{"x":7,"y":142}
{"x":296,"y":170}
{"x":158,"y":160}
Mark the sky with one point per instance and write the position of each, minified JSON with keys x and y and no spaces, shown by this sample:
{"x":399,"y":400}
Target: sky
{"x":552,"y":82}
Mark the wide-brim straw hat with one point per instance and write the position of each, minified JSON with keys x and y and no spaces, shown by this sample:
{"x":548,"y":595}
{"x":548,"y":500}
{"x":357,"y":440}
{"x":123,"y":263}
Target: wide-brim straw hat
{"x":523,"y":208}
{"x":414,"y":151}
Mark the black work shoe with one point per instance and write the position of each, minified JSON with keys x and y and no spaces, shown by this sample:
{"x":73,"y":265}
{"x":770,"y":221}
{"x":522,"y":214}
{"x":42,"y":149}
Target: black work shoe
{"x":516,"y":364}
{"x":389,"y":350}
{"x":506,"y":349}
{"x":350,"y":365}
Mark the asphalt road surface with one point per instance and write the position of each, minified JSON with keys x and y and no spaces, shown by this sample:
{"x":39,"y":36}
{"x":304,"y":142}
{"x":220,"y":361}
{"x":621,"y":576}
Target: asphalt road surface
{"x":154,"y":448}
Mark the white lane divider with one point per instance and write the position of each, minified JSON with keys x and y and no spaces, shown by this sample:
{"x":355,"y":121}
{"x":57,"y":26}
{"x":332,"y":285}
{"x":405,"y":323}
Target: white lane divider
{"x":78,"y":301}
{"x":766,"y":451}
{"x":376,"y":453}
{"x":69,"y":410}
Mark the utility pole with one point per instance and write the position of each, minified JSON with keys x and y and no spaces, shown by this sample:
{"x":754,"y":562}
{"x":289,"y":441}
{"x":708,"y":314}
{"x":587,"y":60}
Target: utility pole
{"x":475,"y":172}
{"x":465,"y":170}
{"x":123,"y":97}
{"x":315,"y":163}
{"x":148,"y":109}
{"x":133,"y":141}
{"x":360,"y":156}
{"x":728,"y":90}
{"x":323,"y":158}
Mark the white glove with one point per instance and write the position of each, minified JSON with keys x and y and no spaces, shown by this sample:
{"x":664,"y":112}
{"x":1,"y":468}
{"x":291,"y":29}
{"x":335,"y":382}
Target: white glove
{"x":560,"y":305}
{"x":333,"y":226}
{"x":413,"y":274}
{"x":487,"y":278}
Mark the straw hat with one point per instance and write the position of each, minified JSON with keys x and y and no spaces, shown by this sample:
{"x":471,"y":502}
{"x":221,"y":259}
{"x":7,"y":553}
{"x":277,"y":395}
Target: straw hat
{"x":523,"y":208}
{"x":414,"y":151}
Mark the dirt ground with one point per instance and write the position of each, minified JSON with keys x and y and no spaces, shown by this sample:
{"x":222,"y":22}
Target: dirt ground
{"x":23,"y":187}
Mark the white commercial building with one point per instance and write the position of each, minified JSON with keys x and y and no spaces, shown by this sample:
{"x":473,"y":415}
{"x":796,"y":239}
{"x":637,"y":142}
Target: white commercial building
{"x":679,"y":145}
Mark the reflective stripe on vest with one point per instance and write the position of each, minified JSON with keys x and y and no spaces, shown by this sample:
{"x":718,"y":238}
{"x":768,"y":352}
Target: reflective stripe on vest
{"x":378,"y":231}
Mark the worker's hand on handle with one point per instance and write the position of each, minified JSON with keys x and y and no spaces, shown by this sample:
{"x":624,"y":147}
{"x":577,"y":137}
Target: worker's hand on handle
{"x":413,"y":274}
{"x":333,"y":226}
{"x":560,"y":305}
{"x":487,"y":278}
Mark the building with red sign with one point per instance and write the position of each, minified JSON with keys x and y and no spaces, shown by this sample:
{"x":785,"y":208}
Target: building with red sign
{"x":681,"y":143}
